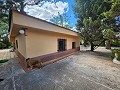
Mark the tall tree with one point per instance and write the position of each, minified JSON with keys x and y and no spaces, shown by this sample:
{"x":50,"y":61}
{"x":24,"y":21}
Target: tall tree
{"x":111,"y":22}
{"x":89,"y":14}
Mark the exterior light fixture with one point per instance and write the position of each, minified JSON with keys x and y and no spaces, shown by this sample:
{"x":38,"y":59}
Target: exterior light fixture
{"x":22,"y":31}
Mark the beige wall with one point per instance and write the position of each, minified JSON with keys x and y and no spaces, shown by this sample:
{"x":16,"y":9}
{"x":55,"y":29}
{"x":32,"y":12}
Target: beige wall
{"x":21,"y":44}
{"x":26,"y":21}
{"x":41,"y":42}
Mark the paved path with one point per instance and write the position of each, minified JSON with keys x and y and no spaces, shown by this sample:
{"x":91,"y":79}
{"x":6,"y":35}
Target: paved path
{"x":84,"y":70}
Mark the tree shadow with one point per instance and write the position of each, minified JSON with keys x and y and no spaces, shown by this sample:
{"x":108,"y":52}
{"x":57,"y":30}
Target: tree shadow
{"x":104,"y":54}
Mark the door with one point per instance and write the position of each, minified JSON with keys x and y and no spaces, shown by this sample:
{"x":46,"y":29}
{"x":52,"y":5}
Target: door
{"x":61,"y":44}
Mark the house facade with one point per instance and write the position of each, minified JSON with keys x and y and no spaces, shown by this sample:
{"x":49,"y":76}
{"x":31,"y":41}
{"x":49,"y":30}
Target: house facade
{"x":40,"y":42}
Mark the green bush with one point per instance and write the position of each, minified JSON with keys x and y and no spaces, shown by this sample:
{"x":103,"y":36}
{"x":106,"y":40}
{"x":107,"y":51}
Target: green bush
{"x":9,"y":47}
{"x":102,"y":44}
{"x":115,"y":43}
{"x":115,"y":51}
{"x":2,"y":45}
{"x":4,"y":60}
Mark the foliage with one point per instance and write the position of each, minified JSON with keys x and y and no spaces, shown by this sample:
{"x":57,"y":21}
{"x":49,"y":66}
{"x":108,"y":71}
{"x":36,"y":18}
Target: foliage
{"x":89,"y":14}
{"x":82,"y":42}
{"x":4,"y":60}
{"x":2,"y":45}
{"x":115,"y":8}
{"x":17,"y":4}
{"x":62,"y":20}
{"x":97,"y":20}
{"x":115,"y":51}
{"x":115,"y":43}
{"x":4,"y":41}
{"x":111,"y":36}
{"x":108,"y":34}
{"x":111,"y":22}
{"x":111,"y":18}
{"x":92,"y":32}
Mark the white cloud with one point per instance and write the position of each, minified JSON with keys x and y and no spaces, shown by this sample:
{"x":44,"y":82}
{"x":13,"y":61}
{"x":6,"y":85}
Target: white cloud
{"x":74,"y":29}
{"x":64,"y":23}
{"x":47,"y":10}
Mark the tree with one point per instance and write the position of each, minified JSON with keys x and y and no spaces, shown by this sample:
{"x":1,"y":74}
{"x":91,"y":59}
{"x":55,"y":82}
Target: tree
{"x":115,"y":8}
{"x":110,"y":23}
{"x":17,"y":4}
{"x":5,"y":5}
{"x":109,"y":35}
{"x":89,"y":31}
{"x":89,"y":14}
{"x":4,"y":41}
{"x":62,"y":20}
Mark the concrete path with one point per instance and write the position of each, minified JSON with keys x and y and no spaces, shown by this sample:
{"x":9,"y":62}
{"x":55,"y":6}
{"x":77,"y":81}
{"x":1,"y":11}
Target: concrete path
{"x":84,"y":70}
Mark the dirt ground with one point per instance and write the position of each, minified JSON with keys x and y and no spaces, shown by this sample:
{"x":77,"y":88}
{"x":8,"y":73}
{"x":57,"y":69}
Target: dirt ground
{"x":85,"y":70}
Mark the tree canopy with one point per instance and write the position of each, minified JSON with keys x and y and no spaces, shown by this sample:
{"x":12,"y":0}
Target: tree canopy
{"x":93,"y":17}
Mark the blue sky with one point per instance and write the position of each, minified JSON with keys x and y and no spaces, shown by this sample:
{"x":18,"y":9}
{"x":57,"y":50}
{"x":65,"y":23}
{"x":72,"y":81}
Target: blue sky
{"x":48,"y":9}
{"x":71,"y":13}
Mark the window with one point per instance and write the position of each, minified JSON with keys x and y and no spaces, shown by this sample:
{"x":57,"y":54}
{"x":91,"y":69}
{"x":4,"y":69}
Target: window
{"x":16,"y":44}
{"x":73,"y":45}
{"x":61,"y":44}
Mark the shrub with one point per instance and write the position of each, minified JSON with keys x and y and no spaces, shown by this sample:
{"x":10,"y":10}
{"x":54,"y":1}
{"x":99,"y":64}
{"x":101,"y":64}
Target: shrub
{"x":2,"y":45}
{"x":9,"y":47}
{"x":115,"y":43}
{"x":3,"y":61}
{"x":115,"y":51}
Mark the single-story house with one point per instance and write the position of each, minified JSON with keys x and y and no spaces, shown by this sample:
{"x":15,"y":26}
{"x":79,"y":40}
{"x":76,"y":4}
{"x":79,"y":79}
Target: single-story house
{"x":38,"y":42}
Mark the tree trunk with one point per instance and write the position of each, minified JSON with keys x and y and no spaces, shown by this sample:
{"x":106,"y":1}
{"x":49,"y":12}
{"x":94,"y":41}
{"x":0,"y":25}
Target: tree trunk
{"x":107,"y":44}
{"x":22,"y":6}
{"x":92,"y":47}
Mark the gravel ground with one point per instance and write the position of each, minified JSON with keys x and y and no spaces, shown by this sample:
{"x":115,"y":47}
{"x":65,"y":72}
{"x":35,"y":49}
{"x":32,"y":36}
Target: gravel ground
{"x":85,"y":70}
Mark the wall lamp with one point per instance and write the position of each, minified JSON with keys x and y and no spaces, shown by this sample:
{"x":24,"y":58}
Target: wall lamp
{"x":22,"y":31}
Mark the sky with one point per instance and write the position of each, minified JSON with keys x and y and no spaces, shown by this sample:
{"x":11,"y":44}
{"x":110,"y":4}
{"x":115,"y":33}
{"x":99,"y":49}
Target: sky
{"x":71,"y":13}
{"x":48,"y":9}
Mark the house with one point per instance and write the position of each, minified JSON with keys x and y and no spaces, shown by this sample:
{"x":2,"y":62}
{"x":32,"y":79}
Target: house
{"x":38,"y":42}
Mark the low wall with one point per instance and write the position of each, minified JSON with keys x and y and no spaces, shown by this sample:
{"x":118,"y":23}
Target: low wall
{"x":40,"y":61}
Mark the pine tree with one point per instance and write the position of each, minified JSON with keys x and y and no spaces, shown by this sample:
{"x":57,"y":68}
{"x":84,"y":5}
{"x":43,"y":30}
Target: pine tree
{"x":89,"y":15}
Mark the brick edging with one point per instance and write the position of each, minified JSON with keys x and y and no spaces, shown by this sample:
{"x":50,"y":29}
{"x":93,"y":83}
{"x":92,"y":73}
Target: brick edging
{"x":22,"y":60}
